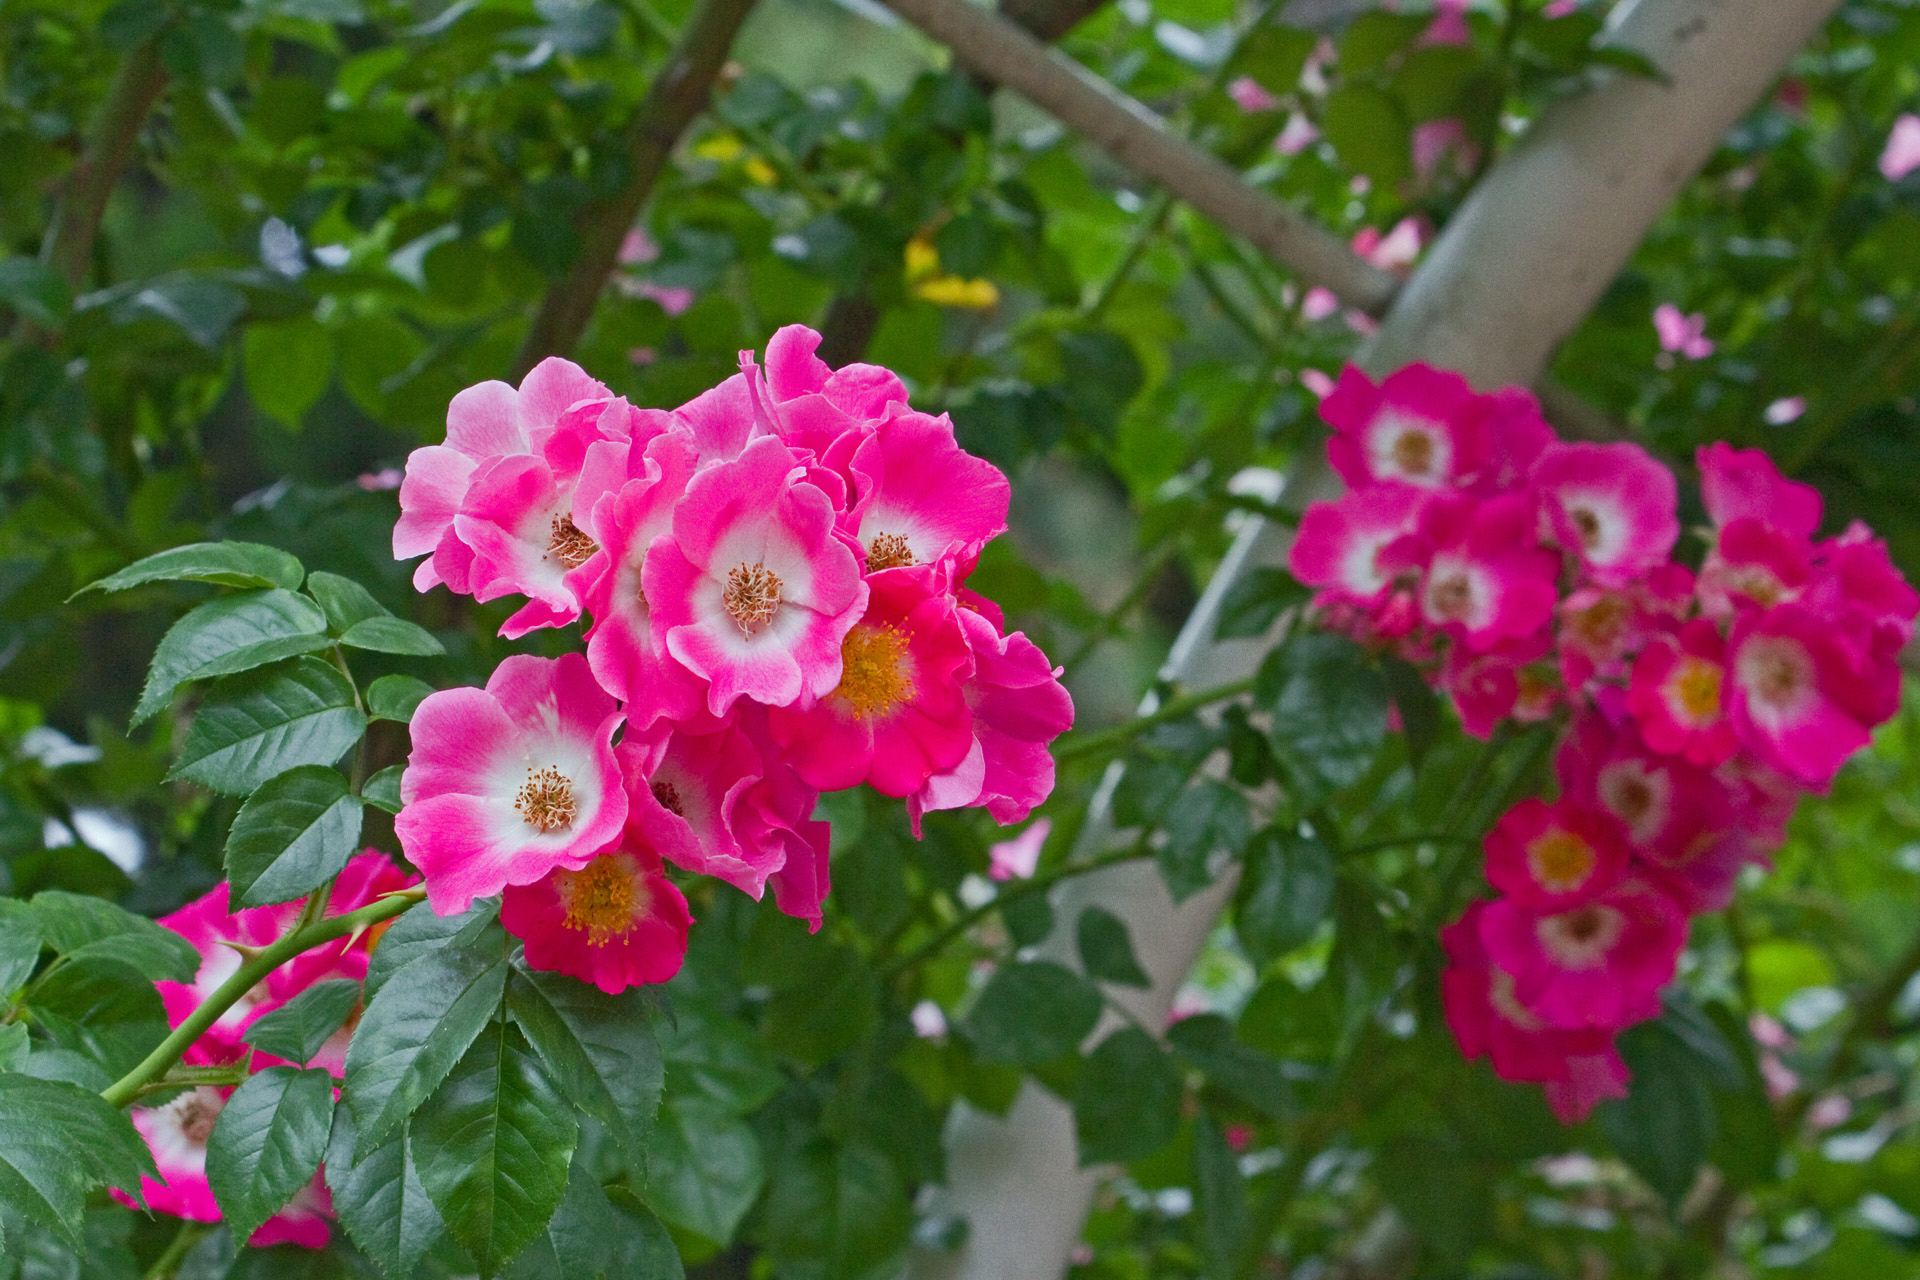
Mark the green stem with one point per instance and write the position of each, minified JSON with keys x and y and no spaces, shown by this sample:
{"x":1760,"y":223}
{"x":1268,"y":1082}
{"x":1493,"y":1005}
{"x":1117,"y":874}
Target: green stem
{"x":168,"y":1263}
{"x":1401,"y":842}
{"x":251,"y":972}
{"x":1107,"y":741}
{"x":1039,"y":883}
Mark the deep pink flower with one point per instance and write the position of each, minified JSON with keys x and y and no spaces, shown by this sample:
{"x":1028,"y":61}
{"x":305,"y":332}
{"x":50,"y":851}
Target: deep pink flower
{"x":1902,"y":154}
{"x":1356,"y":547}
{"x":616,"y":922}
{"x":1552,"y":857}
{"x":781,"y":812}
{"x":1433,"y":141}
{"x":1505,"y":680}
{"x":1803,"y":696}
{"x":519,"y":519}
{"x":1579,"y":1067}
{"x":1752,"y":563}
{"x":1854,"y":577}
{"x":921,"y":497}
{"x":1599,"y":964}
{"x":1019,"y":707}
{"x":1317,"y":304}
{"x":1611,"y":505}
{"x":1678,"y":695}
{"x":1398,"y":249}
{"x":484,"y":422}
{"x":898,"y":715}
{"x":864,"y":392}
{"x":754,"y":589}
{"x":628,"y":654}
{"x":1744,"y":482}
{"x":1449,"y":25}
{"x":1599,"y":628}
{"x":1418,"y":426}
{"x":1486,"y":581}
{"x":176,"y":1134}
{"x":1681,"y":333}
{"x":509,"y":782}
{"x":1677,"y":816}
{"x":1297,"y":135}
{"x":688,"y":789}
{"x":1516,"y":434}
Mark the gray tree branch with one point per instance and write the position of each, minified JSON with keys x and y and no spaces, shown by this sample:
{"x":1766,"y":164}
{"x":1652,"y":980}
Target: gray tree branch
{"x":1511,"y":275}
{"x":1137,"y":138}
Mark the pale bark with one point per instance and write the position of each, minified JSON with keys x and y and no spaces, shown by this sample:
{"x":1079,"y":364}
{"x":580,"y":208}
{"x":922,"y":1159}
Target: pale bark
{"x":1513,"y":273}
{"x":1137,"y":138}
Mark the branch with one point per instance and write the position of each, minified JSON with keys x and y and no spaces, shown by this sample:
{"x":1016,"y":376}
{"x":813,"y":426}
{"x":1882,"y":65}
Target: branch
{"x":253,"y":971}
{"x":678,"y":95}
{"x":68,"y":246}
{"x":1133,"y":135}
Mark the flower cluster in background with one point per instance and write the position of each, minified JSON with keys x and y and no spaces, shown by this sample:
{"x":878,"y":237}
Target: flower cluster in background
{"x":177,"y":1131}
{"x":1529,"y":577}
{"x":774,"y":577}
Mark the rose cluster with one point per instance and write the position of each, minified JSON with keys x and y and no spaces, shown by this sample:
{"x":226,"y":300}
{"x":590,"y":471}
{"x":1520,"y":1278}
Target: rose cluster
{"x":774,"y":577}
{"x":1530,"y":577}
{"x":177,"y":1131}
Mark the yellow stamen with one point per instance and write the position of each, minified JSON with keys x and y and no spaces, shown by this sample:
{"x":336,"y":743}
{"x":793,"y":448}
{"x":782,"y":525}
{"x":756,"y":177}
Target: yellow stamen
{"x":601,"y":898}
{"x":873,"y":678}
{"x":569,"y":545}
{"x":1561,"y":860}
{"x":1695,"y":687}
{"x":1413,"y":452}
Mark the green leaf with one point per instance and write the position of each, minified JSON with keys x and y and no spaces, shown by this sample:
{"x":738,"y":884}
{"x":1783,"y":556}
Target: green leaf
{"x":229,"y":634}
{"x":293,"y":835}
{"x":1209,"y":817}
{"x":57,"y":1143}
{"x":1207,"y":1042}
{"x":225,"y":564}
{"x":84,"y":928}
{"x":1369,"y":131}
{"x":1254,"y":601}
{"x":392,"y":635}
{"x":344,"y":601}
{"x":1419,"y":707}
{"x":1286,"y":893}
{"x":1126,"y":1103}
{"x":706,"y":1169}
{"x":1106,"y":951}
{"x":382,"y":790}
{"x":1450,"y":1213}
{"x":20,"y":944}
{"x":36,"y":291}
{"x":1220,"y":1195}
{"x":720,"y":1057}
{"x":642,"y":1245}
{"x":580,"y":1240}
{"x":270,"y":1137}
{"x":300,"y":1028}
{"x":841,"y":1206}
{"x":415,"y":1030}
{"x":835,"y":1010}
{"x":13,"y":1046}
{"x":259,"y":724}
{"x":1032,"y":1013}
{"x":419,"y":933}
{"x":599,"y":1049}
{"x":288,"y":365}
{"x":493,"y":1144}
{"x":396,"y":697}
{"x":1665,"y":1125}
{"x":1329,"y":709}
{"x":378,"y":1197}
{"x":101,"y":1007}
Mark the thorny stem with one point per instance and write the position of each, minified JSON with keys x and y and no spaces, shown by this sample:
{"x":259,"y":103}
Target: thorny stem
{"x":68,"y":248}
{"x":1038,"y":883}
{"x":303,"y":937}
{"x":1107,"y":741}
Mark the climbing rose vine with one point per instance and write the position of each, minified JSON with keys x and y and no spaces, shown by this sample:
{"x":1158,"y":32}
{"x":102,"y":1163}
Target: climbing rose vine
{"x":1530,"y":578}
{"x":773,"y":576}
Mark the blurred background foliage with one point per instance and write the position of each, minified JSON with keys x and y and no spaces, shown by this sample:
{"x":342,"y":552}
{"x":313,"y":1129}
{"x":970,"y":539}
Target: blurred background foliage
{"x":333,"y":214}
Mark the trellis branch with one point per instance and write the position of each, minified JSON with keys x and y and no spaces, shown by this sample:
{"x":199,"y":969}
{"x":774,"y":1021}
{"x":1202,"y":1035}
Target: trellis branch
{"x":678,"y":95}
{"x":1133,"y":135}
{"x":68,"y":245}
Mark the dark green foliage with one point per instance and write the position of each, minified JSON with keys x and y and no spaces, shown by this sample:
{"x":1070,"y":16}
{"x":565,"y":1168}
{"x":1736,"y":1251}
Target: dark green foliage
{"x":292,"y":835}
{"x":300,"y":1028}
{"x":270,"y":1137}
{"x":1032,"y":1013}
